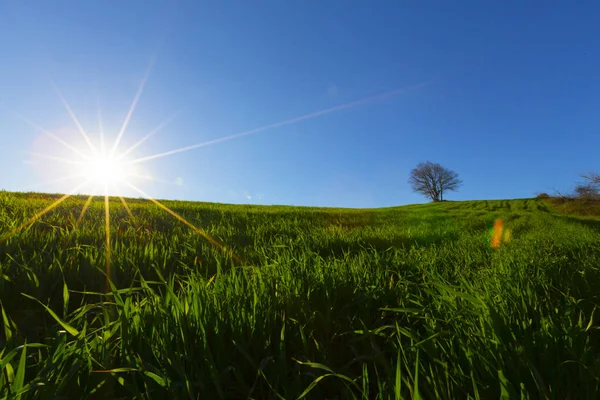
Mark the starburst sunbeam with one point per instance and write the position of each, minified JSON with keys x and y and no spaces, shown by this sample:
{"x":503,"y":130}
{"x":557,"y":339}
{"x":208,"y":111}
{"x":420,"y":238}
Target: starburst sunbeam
{"x":101,"y":131}
{"x":286,"y":122}
{"x":40,"y":214}
{"x":75,"y":120}
{"x":186,"y":222}
{"x":58,"y":159}
{"x":83,"y":210}
{"x":148,"y":136}
{"x":153,"y":179}
{"x":50,"y":182}
{"x":128,"y":211}
{"x":133,"y":106}
{"x":51,"y":135}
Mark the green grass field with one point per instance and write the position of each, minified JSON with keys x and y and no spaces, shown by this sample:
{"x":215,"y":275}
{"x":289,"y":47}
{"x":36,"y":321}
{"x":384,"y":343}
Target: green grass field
{"x":408,"y":302}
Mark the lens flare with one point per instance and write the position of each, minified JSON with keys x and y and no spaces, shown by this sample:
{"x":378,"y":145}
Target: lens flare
{"x":499,"y":233}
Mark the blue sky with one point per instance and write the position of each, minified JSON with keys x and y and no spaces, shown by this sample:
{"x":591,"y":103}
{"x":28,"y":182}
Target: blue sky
{"x":505,"y":94}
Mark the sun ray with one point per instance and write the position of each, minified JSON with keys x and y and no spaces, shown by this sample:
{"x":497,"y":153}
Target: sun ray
{"x":85,"y":207}
{"x":148,"y":136}
{"x":101,"y":129}
{"x":107,"y":230}
{"x":133,"y":105}
{"x":53,"y":181}
{"x":75,"y":120}
{"x":129,"y":211}
{"x":151,"y":178}
{"x":59,"y":159}
{"x":51,"y":135}
{"x":286,"y":122}
{"x":186,"y":222}
{"x":39,"y":214}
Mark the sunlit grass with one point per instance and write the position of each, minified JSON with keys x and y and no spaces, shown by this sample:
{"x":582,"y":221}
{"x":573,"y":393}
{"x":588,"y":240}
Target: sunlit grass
{"x":410,"y":302}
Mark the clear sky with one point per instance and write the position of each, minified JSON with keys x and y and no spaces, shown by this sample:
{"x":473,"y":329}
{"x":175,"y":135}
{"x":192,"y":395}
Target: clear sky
{"x":505,"y":94}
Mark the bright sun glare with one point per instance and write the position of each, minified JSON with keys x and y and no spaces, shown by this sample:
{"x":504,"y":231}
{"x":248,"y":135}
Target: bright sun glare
{"x":105,"y":170}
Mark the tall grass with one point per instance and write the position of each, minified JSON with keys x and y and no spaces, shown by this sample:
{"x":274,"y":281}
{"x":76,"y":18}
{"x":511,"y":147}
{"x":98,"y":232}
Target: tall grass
{"x":404,"y":303}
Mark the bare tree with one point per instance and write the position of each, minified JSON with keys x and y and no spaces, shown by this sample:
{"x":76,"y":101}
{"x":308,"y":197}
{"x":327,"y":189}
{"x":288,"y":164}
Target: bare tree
{"x":587,"y":191}
{"x":592,"y":178}
{"x":432,"y":180}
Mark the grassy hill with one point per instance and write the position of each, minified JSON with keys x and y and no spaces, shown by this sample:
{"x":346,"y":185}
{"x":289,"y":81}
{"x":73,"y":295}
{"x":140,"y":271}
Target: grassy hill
{"x":479,"y":299}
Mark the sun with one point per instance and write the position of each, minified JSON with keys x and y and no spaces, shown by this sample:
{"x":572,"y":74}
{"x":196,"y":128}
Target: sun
{"x":105,"y":170}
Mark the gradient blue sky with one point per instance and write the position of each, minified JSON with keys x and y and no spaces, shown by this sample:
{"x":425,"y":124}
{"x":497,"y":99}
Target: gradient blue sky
{"x":512,"y":101}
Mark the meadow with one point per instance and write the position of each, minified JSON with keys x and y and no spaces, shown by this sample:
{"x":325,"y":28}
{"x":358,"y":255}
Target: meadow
{"x":411,"y":302}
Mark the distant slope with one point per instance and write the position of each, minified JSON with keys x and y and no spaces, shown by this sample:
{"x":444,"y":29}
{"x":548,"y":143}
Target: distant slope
{"x":576,"y":206}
